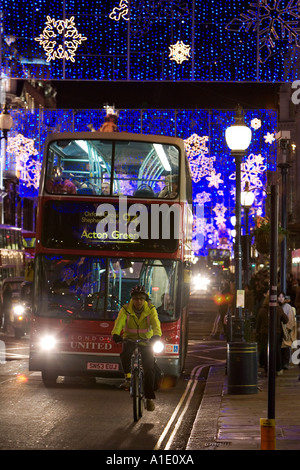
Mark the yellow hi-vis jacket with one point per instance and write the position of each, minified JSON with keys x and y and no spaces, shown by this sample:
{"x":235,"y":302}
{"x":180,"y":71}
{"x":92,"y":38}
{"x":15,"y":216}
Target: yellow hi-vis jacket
{"x":146,"y":326}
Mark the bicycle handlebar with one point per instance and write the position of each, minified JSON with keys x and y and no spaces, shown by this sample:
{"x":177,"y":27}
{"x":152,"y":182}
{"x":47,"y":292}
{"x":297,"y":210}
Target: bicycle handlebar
{"x":138,"y":340}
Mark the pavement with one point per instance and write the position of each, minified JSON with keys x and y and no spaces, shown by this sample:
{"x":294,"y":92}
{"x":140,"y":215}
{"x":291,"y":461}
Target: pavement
{"x":232,"y":422}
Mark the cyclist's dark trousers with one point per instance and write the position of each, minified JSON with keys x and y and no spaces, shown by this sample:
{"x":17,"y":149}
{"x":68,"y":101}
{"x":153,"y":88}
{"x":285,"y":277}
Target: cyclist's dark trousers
{"x":148,"y":365}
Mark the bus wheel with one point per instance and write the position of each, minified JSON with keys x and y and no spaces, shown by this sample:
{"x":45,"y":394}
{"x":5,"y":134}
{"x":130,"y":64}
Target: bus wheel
{"x":49,"y":378}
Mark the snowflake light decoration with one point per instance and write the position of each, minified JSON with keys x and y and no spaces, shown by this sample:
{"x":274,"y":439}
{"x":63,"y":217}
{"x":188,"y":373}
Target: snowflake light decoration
{"x":179,"y":52}
{"x":214,"y":179}
{"x":63,"y":29}
{"x":255,"y":123}
{"x":22,"y":150}
{"x":252,"y":170}
{"x":195,"y":144}
{"x":220,"y":210}
{"x":120,"y":11}
{"x":202,"y":198}
{"x":274,"y":20}
{"x":196,"y":150}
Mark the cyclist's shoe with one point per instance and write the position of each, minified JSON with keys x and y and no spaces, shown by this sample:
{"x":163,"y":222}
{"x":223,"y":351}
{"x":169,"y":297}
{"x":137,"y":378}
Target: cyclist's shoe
{"x":150,"y":406}
{"x":125,"y":385}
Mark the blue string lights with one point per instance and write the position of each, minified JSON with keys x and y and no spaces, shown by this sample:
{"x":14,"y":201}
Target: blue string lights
{"x":212,"y":167}
{"x":232,"y":41}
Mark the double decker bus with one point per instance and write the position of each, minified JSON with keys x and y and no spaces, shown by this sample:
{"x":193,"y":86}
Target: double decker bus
{"x":114,"y":211}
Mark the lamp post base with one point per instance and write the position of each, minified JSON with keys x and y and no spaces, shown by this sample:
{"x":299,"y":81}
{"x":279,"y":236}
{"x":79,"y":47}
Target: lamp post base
{"x":242,"y":368}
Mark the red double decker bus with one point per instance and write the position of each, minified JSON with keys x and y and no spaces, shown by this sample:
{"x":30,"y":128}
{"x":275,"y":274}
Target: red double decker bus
{"x":114,"y":211}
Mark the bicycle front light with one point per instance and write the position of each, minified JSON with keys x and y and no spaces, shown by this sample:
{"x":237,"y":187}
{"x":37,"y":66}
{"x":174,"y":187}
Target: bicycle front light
{"x":158,"y":347}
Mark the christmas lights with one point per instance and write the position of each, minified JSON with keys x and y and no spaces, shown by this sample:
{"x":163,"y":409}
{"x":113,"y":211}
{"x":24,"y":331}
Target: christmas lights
{"x":212,"y":166}
{"x":66,"y":29}
{"x":179,"y":52}
{"x":121,"y":40}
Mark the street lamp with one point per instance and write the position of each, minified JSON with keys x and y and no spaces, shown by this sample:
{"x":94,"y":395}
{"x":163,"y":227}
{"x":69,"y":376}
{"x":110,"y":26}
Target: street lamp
{"x":241,"y":356}
{"x":238,"y":138}
{"x":6,"y":122}
{"x":247,"y":200}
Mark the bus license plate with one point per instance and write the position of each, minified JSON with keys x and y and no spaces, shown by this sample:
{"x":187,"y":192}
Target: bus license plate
{"x":102,"y":366}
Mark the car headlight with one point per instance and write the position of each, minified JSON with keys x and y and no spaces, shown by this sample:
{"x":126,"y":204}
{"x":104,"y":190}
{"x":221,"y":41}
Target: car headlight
{"x":18,"y":309}
{"x":201,"y":282}
{"x":158,"y":347}
{"x":47,"y":343}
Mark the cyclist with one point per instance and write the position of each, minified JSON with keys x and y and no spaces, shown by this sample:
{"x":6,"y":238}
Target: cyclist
{"x":138,"y":319}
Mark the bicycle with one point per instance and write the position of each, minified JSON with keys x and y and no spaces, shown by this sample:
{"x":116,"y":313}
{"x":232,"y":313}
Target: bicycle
{"x":137,"y":375}
{"x":137,"y":380}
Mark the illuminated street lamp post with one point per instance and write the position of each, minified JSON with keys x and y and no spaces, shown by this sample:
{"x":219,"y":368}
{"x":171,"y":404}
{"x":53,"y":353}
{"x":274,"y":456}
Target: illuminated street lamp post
{"x":238,"y":138}
{"x":241,"y":356}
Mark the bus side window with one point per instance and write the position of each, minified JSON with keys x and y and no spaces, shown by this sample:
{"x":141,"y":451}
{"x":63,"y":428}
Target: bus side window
{"x":166,"y":309}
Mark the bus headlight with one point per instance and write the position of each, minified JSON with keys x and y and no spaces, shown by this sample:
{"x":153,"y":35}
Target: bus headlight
{"x":18,"y":309}
{"x":158,"y":347}
{"x":47,"y":343}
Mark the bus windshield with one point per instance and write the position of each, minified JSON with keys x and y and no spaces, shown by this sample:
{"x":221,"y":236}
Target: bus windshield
{"x":95,"y":288}
{"x":106,"y":167}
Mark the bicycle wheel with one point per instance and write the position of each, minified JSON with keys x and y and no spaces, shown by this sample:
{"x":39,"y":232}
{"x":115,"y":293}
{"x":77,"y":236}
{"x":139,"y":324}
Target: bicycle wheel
{"x":141,"y":394}
{"x":135,"y":395}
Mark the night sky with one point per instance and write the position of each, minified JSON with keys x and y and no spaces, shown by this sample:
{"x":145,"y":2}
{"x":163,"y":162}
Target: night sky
{"x":158,"y":95}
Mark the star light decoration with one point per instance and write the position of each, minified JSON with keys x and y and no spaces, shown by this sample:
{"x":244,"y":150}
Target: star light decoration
{"x":214,"y":179}
{"x":179,"y":52}
{"x":269,"y":138}
{"x":21,"y":150}
{"x":60,"y":29}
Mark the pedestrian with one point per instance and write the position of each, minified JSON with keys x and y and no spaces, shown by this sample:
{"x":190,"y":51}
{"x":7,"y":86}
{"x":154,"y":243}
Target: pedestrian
{"x":262,"y":334}
{"x":297,"y":298}
{"x":287,"y":341}
{"x":138,"y":319}
{"x":224,"y":306}
{"x":282,"y":318}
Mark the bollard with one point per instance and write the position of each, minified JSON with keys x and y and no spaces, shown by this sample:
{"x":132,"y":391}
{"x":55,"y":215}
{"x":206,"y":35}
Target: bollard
{"x":267,"y":434}
{"x":242,"y":368}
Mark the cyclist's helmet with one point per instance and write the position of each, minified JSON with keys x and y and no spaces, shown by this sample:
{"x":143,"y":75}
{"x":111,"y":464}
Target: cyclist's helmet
{"x":139,"y":290}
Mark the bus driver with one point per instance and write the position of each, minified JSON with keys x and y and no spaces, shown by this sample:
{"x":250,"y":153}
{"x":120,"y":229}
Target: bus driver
{"x":138,"y":319}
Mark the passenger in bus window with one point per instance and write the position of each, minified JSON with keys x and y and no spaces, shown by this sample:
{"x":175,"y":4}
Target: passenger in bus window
{"x":105,"y":188}
{"x":144,"y":190}
{"x":165,"y":190}
{"x":171,"y":187}
{"x":57,"y":184}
